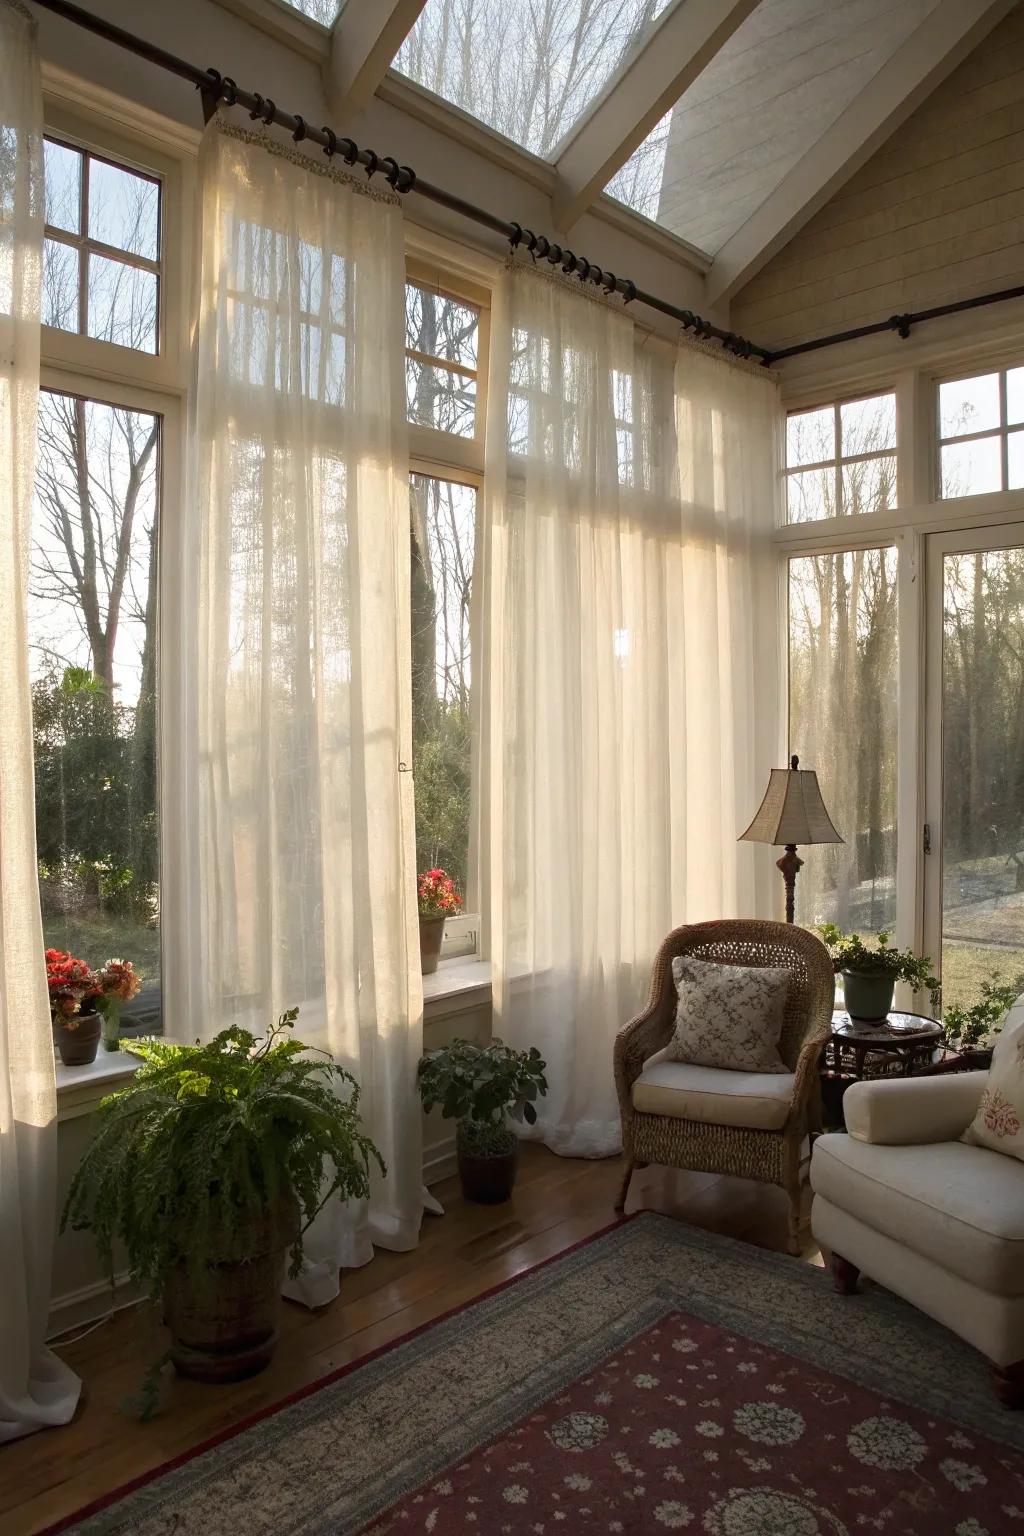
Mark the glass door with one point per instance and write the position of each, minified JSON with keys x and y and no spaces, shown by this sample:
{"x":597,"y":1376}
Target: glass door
{"x":973,"y":839}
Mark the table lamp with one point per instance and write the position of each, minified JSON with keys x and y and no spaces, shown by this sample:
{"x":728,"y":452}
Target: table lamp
{"x":791,"y":812}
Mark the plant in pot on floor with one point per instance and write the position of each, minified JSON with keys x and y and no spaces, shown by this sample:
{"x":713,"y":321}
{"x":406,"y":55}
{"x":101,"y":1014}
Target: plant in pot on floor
{"x":479,"y":1087}
{"x":972,"y":1031}
{"x":74,"y":989}
{"x":870,"y":973}
{"x":208,"y":1168}
{"x":438,"y":900}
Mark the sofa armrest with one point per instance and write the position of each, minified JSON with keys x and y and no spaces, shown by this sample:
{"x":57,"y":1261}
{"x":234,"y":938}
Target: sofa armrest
{"x":908,"y":1111}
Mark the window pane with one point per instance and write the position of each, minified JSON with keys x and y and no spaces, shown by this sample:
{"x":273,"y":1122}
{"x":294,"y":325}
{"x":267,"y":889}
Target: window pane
{"x":1015,"y":395}
{"x":969,"y":405}
{"x":869,"y":485}
{"x":440,"y":399}
{"x":93,"y":661}
{"x":323,"y":11}
{"x":440,"y":326}
{"x":970,"y":469}
{"x":1015,"y":460}
{"x":867,"y":426}
{"x":810,"y":437}
{"x":124,"y":209}
{"x":122,"y":303}
{"x":529,"y":71}
{"x":810,"y":495}
{"x":443,"y":532}
{"x":843,"y":723}
{"x":983,"y":787}
{"x":60,"y":285}
{"x":63,"y":179}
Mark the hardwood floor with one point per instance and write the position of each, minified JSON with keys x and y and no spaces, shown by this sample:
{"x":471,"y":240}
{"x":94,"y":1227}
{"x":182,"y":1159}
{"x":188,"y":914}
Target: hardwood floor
{"x":557,"y":1202}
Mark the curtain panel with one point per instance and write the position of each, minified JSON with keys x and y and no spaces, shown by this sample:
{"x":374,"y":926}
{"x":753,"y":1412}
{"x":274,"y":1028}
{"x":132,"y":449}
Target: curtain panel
{"x":626,"y":698}
{"x":286,"y":646}
{"x":36,"y":1389}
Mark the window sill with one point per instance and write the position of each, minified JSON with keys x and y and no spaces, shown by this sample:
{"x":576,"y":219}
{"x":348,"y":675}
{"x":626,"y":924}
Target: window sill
{"x":466,"y":980}
{"x":79,"y":1089}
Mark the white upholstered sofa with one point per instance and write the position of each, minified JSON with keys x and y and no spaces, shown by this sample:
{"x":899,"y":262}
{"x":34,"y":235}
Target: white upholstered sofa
{"x":939,"y":1222}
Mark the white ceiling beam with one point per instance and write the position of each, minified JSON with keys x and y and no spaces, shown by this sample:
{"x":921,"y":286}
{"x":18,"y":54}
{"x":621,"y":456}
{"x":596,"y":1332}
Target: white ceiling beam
{"x":921,"y":63}
{"x":681,"y":44}
{"x":364,"y":40}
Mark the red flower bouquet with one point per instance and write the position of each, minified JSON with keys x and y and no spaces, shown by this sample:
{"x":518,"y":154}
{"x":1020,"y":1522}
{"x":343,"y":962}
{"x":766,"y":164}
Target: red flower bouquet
{"x":118,"y":984}
{"x":437,"y":894}
{"x":71,"y":982}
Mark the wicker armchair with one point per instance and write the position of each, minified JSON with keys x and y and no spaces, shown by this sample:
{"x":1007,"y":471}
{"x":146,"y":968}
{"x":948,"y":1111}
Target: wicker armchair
{"x":772,"y":1156}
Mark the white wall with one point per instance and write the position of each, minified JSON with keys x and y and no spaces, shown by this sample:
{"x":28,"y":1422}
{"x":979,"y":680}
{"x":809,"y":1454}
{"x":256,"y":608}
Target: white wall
{"x":935,"y":216}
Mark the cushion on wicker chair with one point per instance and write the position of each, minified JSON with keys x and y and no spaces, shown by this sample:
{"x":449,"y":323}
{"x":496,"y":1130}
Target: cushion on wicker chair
{"x":758,"y":1101}
{"x":729,"y":1016}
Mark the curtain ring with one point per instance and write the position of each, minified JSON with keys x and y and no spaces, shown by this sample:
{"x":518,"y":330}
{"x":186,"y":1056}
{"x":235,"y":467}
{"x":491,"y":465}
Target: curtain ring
{"x":629,"y":293}
{"x":350,"y":154}
{"x":299,"y":132}
{"x":609,"y":282}
{"x":229,"y":90}
{"x":555,"y":255}
{"x":391,"y":173}
{"x":269,"y":109}
{"x":583,"y":271}
{"x":331,"y":147}
{"x":408,"y":180}
{"x":516,"y":235}
{"x":543,"y":245}
{"x":257,"y":110}
{"x":371,"y":163}
{"x":568,"y":262}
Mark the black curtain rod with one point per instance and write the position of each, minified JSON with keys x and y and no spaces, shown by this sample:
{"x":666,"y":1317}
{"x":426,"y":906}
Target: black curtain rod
{"x":216,"y":88}
{"x":901,"y":324}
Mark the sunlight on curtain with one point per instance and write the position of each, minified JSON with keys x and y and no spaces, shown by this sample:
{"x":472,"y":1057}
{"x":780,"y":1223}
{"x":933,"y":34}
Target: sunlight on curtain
{"x":294,"y":828}
{"x":36,"y":1389}
{"x":626,"y":708}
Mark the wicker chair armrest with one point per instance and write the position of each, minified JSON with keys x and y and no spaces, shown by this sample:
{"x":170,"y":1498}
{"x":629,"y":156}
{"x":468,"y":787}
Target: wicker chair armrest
{"x":634,"y":1044}
{"x":807,"y":1070}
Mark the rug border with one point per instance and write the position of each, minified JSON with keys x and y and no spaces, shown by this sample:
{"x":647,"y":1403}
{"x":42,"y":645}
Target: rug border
{"x":105,"y":1500}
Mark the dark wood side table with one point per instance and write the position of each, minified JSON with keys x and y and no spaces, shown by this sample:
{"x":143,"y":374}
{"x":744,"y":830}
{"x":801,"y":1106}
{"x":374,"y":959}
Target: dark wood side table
{"x":904,"y":1045}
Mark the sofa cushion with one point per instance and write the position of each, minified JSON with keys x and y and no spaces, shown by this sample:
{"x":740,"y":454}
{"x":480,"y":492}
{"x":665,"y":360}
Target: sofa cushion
{"x":729,"y":1016}
{"x":961,"y":1206}
{"x":757,"y":1100}
{"x":999,"y":1122}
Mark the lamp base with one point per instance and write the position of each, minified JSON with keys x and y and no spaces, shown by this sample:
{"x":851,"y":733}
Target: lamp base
{"x":790,"y":865}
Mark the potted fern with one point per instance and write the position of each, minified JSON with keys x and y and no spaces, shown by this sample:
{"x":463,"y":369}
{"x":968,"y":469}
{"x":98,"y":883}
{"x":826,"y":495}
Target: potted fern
{"x":479,"y":1087}
{"x":870,"y":972}
{"x":208,"y":1168}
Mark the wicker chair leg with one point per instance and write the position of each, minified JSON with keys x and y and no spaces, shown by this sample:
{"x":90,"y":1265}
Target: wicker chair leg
{"x":791,"y":1184}
{"x":620,"y":1204}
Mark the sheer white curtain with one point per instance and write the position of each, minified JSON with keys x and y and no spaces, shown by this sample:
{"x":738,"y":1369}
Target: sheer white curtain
{"x":626,"y":697}
{"x":36,"y":1389}
{"x":286,"y":645}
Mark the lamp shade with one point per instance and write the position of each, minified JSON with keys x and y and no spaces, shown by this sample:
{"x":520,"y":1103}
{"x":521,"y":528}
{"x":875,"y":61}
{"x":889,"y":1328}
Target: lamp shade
{"x":792,"y":811}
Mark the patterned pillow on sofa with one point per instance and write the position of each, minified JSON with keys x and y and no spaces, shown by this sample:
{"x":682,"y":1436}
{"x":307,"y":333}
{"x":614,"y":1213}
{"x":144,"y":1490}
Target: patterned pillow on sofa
{"x":999,"y":1123}
{"x":729,"y":1016}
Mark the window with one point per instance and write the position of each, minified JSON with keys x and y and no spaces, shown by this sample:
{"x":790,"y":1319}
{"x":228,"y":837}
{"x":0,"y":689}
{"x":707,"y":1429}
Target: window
{"x":981,"y":433}
{"x":442,"y":336}
{"x":841,"y":459}
{"x":102,"y":252}
{"x":843,"y":723}
{"x":93,"y":607}
{"x":443,"y":534}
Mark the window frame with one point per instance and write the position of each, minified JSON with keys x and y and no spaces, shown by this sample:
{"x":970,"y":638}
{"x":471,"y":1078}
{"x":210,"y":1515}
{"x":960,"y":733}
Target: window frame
{"x":1002,"y":432}
{"x":450,"y":455}
{"x":838,"y":463}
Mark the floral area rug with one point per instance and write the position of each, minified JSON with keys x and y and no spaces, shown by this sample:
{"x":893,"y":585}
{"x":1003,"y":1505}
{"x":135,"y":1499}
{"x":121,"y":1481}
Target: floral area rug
{"x":658,"y":1378}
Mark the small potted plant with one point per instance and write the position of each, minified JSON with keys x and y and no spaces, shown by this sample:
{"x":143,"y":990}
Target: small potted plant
{"x":479,"y":1086}
{"x":118,"y":984}
{"x":870,"y":974}
{"x":438,"y":900}
{"x":208,"y":1168}
{"x":74,"y":989}
{"x":971,"y":1031}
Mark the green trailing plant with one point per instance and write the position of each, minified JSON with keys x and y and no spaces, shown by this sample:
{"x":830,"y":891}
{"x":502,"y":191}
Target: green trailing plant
{"x":850,"y":953}
{"x":207,"y":1139}
{"x":975,"y":1027}
{"x":479,"y":1086}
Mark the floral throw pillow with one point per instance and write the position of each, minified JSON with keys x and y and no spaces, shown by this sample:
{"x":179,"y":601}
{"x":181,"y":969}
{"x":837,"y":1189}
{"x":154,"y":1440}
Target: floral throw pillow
{"x":999,"y":1123}
{"x":729,"y":1015}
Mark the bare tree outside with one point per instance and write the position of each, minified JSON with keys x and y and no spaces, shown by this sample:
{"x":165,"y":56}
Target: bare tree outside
{"x":528,"y":69}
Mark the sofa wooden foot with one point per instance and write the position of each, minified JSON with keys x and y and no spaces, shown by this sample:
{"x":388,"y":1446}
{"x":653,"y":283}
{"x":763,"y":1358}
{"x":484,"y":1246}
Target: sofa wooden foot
{"x":620,"y":1204}
{"x":844,"y":1275}
{"x":1010,"y":1385}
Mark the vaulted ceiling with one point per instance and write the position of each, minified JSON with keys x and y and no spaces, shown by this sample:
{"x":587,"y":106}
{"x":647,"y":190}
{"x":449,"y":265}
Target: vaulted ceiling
{"x":727,"y":123}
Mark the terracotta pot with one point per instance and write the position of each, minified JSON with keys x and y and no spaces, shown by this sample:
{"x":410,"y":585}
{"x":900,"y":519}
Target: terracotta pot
{"x":77,"y":1046}
{"x":224,"y":1321}
{"x":431,"y":934}
{"x":868,"y":994}
{"x":488,"y":1180}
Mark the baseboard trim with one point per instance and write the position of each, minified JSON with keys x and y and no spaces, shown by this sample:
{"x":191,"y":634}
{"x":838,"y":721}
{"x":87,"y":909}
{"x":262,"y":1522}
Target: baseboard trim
{"x":439,"y":1161}
{"x":90,"y":1304}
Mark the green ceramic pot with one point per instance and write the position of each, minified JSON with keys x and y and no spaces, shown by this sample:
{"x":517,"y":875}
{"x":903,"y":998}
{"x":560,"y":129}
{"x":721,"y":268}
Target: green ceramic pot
{"x":868,"y":994}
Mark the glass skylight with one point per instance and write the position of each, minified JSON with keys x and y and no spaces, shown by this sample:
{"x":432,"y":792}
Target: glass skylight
{"x":528,"y":70}
{"x":323,"y":11}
